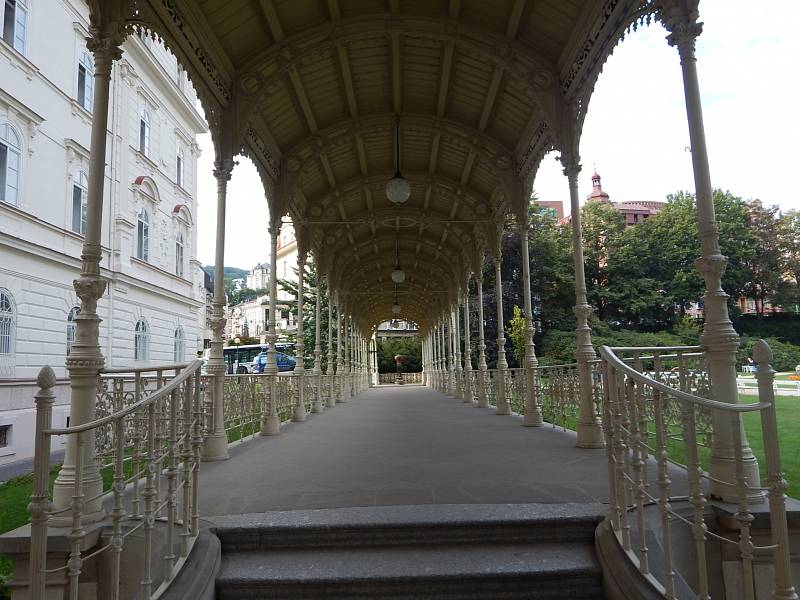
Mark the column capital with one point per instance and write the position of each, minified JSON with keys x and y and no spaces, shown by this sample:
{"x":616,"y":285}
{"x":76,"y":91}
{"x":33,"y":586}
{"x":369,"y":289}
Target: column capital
{"x":223,"y":169}
{"x":571,"y":164}
{"x":105,"y":45}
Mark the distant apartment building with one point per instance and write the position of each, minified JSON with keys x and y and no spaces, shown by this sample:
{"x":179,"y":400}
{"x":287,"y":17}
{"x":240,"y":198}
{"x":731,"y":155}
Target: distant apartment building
{"x":258,"y":277}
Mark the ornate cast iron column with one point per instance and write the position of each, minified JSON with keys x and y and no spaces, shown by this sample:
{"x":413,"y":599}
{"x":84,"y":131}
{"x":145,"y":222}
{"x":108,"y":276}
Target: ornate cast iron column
{"x":300,"y":347}
{"x":339,"y":355}
{"x":85,"y":361}
{"x":317,"y":407}
{"x":719,"y":337}
{"x":459,"y":370}
{"x":533,"y":413}
{"x":216,"y":443}
{"x":467,"y":350}
{"x":502,"y":364}
{"x":270,"y":421}
{"x":483,"y":401}
{"x":590,"y":434}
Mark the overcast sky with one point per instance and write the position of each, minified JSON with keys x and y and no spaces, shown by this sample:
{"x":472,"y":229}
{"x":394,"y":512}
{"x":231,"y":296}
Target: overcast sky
{"x":635,"y":133}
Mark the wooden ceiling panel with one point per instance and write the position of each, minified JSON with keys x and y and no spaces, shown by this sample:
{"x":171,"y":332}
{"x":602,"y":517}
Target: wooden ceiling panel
{"x":469,"y":84}
{"x":548,"y":24}
{"x":415,"y":149}
{"x":372,"y":77}
{"x":344,"y":162}
{"x":296,"y":16}
{"x":421,"y":71}
{"x":451,"y":161}
{"x":487,"y":14}
{"x":436,"y":8}
{"x":281,"y":113}
{"x":379,"y":146}
{"x":512,"y":110}
{"x":360,"y":8}
{"x":322,"y":85}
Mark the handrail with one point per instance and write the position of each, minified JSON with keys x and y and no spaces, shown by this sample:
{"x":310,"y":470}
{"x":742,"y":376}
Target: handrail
{"x":607,"y":353}
{"x":655,"y":348}
{"x":174,"y":383}
{"x":169,"y":367}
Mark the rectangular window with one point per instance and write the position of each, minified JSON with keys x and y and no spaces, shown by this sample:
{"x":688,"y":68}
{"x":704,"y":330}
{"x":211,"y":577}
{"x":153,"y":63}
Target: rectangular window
{"x":144,"y":137}
{"x":9,"y":175}
{"x":3,"y":167}
{"x":82,"y":85}
{"x":14,"y":25}
{"x":78,"y":210}
{"x":5,"y":435}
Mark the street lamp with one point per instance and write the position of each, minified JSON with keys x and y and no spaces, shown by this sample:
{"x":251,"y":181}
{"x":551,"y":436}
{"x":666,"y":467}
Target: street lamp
{"x":398,"y":189}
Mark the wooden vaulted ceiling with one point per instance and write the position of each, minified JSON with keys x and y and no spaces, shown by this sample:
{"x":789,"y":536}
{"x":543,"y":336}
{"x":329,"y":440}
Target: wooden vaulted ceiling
{"x":480,"y":91}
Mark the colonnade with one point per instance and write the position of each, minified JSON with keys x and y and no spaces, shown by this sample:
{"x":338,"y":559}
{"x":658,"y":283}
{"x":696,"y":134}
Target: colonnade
{"x":447,"y":367}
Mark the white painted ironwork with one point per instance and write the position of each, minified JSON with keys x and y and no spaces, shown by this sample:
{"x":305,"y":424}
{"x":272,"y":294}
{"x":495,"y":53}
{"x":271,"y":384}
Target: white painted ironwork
{"x":652,"y":412}
{"x":147,"y":434}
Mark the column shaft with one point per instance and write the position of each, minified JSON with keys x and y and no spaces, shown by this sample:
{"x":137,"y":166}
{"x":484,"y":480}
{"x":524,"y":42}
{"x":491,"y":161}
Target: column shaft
{"x":533,"y":413}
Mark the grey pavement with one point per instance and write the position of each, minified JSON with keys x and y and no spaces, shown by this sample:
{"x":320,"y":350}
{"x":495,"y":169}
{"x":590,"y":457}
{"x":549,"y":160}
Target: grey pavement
{"x":407,"y":445}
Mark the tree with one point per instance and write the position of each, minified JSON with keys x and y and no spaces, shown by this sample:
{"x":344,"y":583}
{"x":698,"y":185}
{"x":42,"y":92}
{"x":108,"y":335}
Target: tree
{"x":310,"y":282}
{"x":409,"y":347}
{"x":768,"y":264}
{"x":601,"y":227}
{"x":516,"y":332}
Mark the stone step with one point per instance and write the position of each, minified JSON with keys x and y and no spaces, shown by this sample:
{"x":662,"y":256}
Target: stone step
{"x":410,"y":525}
{"x":464,"y":572}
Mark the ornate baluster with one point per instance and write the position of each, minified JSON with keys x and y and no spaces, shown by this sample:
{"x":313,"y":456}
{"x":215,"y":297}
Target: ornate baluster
{"x":136,"y":440}
{"x":621,"y":459}
{"x":664,"y":483}
{"x":197,"y":445}
{"x":775,"y":482}
{"x":696,"y":497}
{"x":118,"y":512}
{"x":150,"y":495}
{"x":743,"y":516}
{"x":637,"y":461}
{"x":610,"y":393}
{"x":40,"y":504}
{"x":186,"y":458}
{"x":77,"y":533}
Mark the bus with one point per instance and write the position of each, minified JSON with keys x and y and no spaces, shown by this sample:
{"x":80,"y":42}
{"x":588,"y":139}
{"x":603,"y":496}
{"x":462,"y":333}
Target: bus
{"x":240,"y":359}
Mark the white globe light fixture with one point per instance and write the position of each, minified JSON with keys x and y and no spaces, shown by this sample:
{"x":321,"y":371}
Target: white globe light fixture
{"x":398,"y":276}
{"x":398,"y":189}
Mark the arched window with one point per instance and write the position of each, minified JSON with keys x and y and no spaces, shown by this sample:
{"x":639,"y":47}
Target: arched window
{"x":179,"y":164}
{"x":15,"y":24}
{"x":179,"y":255}
{"x":85,"y":80}
{"x":179,"y":346}
{"x":8,"y":333}
{"x":74,"y":312}
{"x":144,"y":132}
{"x":143,"y":235}
{"x":10,"y":162}
{"x":80,"y":190}
{"x":141,"y":341}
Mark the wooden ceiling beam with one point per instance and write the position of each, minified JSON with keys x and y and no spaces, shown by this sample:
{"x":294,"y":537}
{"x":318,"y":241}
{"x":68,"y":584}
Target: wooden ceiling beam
{"x":512,"y":27}
{"x":334,"y":10}
{"x":397,"y":75}
{"x":273,"y":22}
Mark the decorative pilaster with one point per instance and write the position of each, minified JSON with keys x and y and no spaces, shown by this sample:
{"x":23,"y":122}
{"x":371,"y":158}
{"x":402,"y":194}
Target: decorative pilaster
{"x":467,"y":350}
{"x":86,"y":359}
{"x":533,"y":412}
{"x":502,"y":364}
{"x":270,"y":421}
{"x":483,"y":401}
{"x":590,"y":434}
{"x":299,"y":413}
{"x":719,"y":337}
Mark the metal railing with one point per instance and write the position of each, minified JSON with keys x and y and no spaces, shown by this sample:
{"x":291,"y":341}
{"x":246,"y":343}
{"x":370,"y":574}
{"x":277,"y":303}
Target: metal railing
{"x":656,"y":417}
{"x":386,"y":378}
{"x":147,"y":436}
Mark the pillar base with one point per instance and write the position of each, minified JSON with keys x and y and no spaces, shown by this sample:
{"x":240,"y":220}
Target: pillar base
{"x":724,"y":469}
{"x":330,"y":403}
{"x":299,"y":415}
{"x":532,"y":419}
{"x":271,"y":425}
{"x":317,"y":407}
{"x":64,"y":487}
{"x":503,"y":410}
{"x":215,"y":447}
{"x":590,"y":435}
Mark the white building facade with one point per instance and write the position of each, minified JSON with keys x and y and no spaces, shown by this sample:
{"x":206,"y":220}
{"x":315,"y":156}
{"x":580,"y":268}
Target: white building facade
{"x":155,"y":296}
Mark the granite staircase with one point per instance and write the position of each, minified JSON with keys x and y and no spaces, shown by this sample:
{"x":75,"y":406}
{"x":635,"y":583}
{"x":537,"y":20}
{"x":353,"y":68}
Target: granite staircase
{"x":459,"y":551}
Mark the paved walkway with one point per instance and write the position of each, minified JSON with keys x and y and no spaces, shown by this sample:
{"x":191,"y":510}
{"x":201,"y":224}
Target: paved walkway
{"x":399,"y":446}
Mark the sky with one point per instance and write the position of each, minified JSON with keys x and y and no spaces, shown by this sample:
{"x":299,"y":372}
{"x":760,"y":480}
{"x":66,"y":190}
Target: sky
{"x":635,"y":134}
